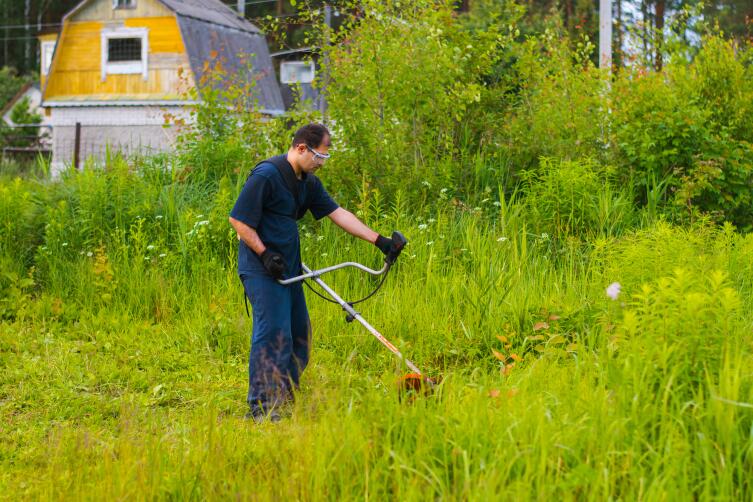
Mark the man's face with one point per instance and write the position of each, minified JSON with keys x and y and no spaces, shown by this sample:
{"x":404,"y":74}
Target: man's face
{"x":313,"y":158}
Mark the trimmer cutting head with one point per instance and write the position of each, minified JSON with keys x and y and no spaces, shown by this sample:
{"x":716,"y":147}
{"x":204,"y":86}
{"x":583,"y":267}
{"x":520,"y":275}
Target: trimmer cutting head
{"x":413,"y":385}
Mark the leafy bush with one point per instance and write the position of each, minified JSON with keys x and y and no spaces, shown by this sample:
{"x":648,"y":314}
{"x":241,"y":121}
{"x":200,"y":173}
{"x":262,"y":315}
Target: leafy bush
{"x":401,"y":82}
{"x":686,"y":126}
{"x":657,"y":129}
{"x":10,"y":83}
{"x":579,"y":198}
{"x":559,"y":110}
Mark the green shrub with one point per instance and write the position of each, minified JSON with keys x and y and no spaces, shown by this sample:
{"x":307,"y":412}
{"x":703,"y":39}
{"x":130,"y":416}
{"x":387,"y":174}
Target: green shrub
{"x":559,"y":109}
{"x":401,"y":82}
{"x":689,"y":127}
{"x":21,"y":223}
{"x":722,"y":81}
{"x":678,"y":328}
{"x":657,"y":129}
{"x":578,"y":198}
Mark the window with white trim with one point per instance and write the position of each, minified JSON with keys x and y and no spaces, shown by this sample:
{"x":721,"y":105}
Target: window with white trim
{"x":123,"y":4}
{"x":47,"y":50}
{"x":124,"y":51}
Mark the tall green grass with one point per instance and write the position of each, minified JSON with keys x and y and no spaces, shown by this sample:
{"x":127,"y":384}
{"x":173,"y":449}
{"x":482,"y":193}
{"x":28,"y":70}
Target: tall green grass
{"x":123,"y":347}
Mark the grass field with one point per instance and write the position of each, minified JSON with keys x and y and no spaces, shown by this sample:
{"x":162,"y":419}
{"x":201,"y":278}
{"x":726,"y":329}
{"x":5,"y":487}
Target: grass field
{"x":124,"y":345}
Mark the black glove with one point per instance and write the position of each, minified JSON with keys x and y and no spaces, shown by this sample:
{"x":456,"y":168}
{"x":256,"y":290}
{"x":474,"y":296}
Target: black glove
{"x":383,"y":243}
{"x":273,"y":263}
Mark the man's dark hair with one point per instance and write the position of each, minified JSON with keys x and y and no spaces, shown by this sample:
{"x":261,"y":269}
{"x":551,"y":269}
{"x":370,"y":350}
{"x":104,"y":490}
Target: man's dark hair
{"x":312,"y":135}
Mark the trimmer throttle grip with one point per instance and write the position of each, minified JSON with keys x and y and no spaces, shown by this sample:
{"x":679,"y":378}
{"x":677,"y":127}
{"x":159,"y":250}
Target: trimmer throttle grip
{"x":398,"y":243}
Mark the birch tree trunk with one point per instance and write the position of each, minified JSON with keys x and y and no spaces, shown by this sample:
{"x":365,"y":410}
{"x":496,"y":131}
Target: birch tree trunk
{"x":645,"y":25}
{"x":28,"y":38}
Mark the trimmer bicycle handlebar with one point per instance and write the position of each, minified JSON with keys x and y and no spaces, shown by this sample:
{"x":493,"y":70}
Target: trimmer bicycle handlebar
{"x":318,"y":273}
{"x":398,"y":244}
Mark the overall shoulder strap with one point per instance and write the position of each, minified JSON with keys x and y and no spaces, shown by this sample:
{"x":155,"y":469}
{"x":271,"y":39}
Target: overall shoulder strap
{"x":288,"y":176}
{"x":287,"y":173}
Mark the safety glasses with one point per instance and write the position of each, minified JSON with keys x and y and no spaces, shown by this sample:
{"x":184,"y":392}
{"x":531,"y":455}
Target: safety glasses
{"x":318,"y":156}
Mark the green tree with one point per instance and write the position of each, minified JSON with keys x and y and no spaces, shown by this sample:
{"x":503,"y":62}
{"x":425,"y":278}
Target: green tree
{"x":10,"y":83}
{"x":734,"y":17}
{"x":21,"y":115}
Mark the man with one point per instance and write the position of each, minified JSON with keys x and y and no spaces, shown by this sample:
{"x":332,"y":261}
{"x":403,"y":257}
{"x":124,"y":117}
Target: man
{"x":277,"y":193}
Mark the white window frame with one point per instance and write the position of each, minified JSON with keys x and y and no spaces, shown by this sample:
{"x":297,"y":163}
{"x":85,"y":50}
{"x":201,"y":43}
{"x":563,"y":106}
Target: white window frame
{"x":47,"y":50}
{"x":125,"y":67}
{"x":131,"y":5}
{"x":288,"y":72}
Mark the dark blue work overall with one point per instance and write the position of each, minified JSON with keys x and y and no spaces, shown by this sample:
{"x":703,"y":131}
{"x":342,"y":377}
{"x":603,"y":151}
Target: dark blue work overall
{"x":281,"y":337}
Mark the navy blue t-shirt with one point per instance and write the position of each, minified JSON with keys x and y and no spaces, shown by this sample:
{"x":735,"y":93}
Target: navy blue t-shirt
{"x":266,"y":205}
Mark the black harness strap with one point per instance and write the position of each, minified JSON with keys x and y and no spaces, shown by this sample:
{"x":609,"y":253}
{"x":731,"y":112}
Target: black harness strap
{"x":291,"y":183}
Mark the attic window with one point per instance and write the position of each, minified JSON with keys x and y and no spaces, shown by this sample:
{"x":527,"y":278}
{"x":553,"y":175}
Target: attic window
{"x":123,"y":4}
{"x":124,"y":51}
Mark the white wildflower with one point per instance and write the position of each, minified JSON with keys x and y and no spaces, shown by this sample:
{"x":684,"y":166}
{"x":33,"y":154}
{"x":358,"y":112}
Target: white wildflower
{"x":613,"y":290}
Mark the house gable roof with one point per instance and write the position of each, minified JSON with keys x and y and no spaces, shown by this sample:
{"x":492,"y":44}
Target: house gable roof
{"x":210,"y":11}
{"x":243,"y":58}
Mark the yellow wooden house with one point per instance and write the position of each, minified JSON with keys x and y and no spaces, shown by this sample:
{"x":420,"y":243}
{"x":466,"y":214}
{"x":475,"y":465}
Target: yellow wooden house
{"x":121,"y":68}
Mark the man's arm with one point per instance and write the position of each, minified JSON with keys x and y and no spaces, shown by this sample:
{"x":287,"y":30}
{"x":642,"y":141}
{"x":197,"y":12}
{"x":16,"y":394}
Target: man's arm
{"x":348,"y":222}
{"x":248,"y":235}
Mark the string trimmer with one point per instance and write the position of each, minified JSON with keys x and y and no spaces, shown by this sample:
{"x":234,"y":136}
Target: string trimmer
{"x":414,"y":381}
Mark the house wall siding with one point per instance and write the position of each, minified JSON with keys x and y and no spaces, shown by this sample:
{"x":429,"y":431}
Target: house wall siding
{"x":102,"y":10}
{"x":76,"y":73}
{"x":125,"y":129}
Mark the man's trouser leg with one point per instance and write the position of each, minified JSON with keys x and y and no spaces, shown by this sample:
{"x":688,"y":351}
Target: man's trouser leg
{"x":271,"y":342}
{"x":300,"y":332}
